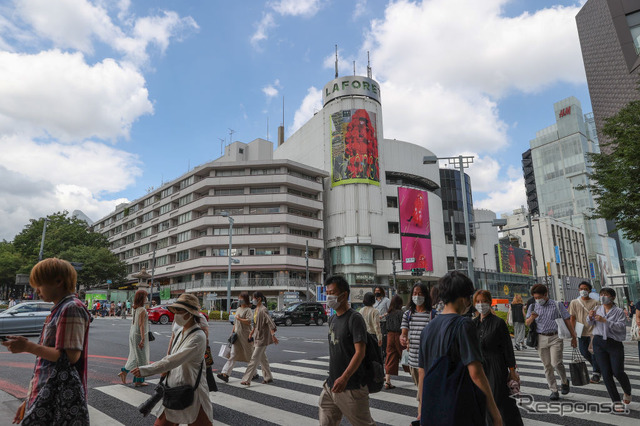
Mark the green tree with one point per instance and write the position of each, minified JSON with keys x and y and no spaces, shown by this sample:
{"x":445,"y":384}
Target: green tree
{"x":10,"y":263}
{"x":615,"y":177}
{"x":71,"y":239}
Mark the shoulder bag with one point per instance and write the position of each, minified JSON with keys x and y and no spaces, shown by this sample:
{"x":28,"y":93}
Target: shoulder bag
{"x":449,"y":396}
{"x":563,"y":331}
{"x":61,"y":400}
{"x":180,"y":397}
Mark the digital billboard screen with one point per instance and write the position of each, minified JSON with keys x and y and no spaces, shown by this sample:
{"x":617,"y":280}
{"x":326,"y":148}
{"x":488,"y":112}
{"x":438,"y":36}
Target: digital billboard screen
{"x":354,"y":147}
{"x":415,"y":229}
{"x":513,"y":260}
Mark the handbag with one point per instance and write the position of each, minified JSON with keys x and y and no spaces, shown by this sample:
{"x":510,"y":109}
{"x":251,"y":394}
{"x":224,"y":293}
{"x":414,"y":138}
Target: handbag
{"x":510,"y":317}
{"x":563,"y":331}
{"x":532,"y":337}
{"x":208,"y":358}
{"x":179,"y":397}
{"x":232,"y":339}
{"x":635,"y":330}
{"x":578,"y":369}
{"x":61,"y":400}
{"x":151,"y":336}
{"x":404,"y":361}
{"x":449,"y":396}
{"x":211,"y":381}
{"x":225,"y":351}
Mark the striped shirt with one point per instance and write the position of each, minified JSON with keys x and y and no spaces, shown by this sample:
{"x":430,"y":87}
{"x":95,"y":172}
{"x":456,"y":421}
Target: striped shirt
{"x":614,"y":328}
{"x":414,"y":322}
{"x":547,"y":315}
{"x":67,"y":327}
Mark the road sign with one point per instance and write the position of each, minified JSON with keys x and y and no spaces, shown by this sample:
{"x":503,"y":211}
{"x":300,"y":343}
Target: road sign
{"x":410,"y":260}
{"x":211,"y":296}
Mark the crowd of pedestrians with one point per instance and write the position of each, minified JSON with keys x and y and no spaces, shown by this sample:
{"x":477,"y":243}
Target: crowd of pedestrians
{"x":459,"y":353}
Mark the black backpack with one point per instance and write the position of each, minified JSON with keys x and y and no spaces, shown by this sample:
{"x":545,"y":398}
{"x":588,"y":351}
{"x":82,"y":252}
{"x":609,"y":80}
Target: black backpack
{"x":372,"y":366}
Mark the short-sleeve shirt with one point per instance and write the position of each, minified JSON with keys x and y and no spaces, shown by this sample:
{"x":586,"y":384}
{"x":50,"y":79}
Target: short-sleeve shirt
{"x":344,"y":332}
{"x":547,"y":315}
{"x":66,"y":328}
{"x":415,"y":322}
{"x":436,"y":336}
{"x":580,"y":308}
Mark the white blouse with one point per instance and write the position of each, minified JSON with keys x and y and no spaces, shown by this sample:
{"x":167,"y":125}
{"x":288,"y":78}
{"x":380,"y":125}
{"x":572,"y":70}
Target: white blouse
{"x":184,"y":361}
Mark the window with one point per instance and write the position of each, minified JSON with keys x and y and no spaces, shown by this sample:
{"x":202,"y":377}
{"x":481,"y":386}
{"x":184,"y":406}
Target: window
{"x":131,"y":238}
{"x":144,"y":264}
{"x":266,"y":190}
{"x":147,"y":216}
{"x":117,"y":229}
{"x":264,"y":171}
{"x":229,"y":191}
{"x":181,"y":256}
{"x":264,"y":230}
{"x":162,"y":243}
{"x":225,"y":231}
{"x":120,"y":215}
{"x":131,"y":224}
{"x":184,"y":236}
{"x":186,"y":182}
{"x":265,"y":251}
{"x":302,"y":194}
{"x":231,"y":210}
{"x":301,"y":175}
{"x":145,"y":248}
{"x":264,"y":210}
{"x":148,"y":201}
{"x":295,"y":252}
{"x":523,"y":232}
{"x":184,"y":200}
{"x":145,"y":232}
{"x":162,"y":260}
{"x":164,"y":225}
{"x":302,"y":232}
{"x":183,"y":218}
{"x":392,"y":202}
{"x":166,"y":192}
{"x":202,"y":253}
{"x":166,"y":208}
{"x":393,"y":227}
{"x":303,"y":213}
{"x":129,"y":253}
{"x":235,"y":172}
{"x":633,"y":20}
{"x":223,"y":252}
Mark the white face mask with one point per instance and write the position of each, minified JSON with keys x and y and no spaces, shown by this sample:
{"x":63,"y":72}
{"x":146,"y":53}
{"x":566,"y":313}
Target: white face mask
{"x":180,"y":319}
{"x":332,"y":301}
{"x":254,"y":301}
{"x":483,"y":308}
{"x":541,"y":301}
{"x":584,"y":293}
{"x":418,"y":300}
{"x":605,"y":300}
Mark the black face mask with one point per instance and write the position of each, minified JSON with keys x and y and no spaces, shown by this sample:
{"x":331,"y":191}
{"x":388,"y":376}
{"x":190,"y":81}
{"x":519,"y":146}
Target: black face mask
{"x":378,"y":294}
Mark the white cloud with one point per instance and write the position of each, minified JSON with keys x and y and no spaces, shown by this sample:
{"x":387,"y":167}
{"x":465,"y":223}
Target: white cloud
{"x":442,"y":78}
{"x":306,"y":8}
{"x":262,"y":29}
{"x":505,"y":198}
{"x":271,"y":90}
{"x":311,"y":104}
{"x":60,"y":94}
{"x":360,"y":9}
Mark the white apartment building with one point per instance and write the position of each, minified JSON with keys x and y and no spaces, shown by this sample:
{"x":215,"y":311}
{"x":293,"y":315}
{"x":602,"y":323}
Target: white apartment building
{"x":558,"y":246}
{"x":276,"y":206}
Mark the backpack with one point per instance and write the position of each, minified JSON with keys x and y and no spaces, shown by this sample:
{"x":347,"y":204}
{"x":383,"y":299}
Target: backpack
{"x":372,"y":365}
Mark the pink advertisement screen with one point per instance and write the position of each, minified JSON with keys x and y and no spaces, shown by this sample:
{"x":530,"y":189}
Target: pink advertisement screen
{"x":415,"y":229}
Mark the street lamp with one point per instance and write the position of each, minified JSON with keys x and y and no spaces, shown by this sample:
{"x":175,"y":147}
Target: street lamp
{"x":484,"y":262}
{"x":231,"y":260}
{"x":462,"y":162}
{"x":44,"y":231}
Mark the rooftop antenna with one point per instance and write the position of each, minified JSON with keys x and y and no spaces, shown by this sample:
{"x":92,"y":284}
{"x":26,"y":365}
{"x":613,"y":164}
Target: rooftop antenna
{"x":354,"y":68}
{"x":336,"y":61}
{"x":368,"y":65}
{"x":231,"y":132}
{"x":222,"y":141}
{"x":282,"y":110}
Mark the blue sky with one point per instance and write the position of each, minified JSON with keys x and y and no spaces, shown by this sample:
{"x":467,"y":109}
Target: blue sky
{"x":101,"y":100}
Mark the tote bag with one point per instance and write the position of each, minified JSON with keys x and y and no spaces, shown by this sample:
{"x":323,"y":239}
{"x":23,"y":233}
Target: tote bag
{"x":578,"y":370}
{"x":563,"y":331}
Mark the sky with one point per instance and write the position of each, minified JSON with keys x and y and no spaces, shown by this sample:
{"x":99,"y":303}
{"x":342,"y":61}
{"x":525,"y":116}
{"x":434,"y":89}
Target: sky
{"x":102,"y":100}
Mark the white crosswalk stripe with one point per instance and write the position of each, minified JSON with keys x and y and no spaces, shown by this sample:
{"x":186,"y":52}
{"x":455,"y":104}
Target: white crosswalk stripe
{"x":293,"y":397}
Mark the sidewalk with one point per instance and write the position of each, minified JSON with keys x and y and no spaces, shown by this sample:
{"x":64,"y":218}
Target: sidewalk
{"x":8,"y":406}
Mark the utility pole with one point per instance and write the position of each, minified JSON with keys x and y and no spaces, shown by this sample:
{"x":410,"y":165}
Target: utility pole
{"x":153,"y":270}
{"x":306,"y":258}
{"x":395,"y":285}
{"x":533,"y":249}
{"x":455,"y":250}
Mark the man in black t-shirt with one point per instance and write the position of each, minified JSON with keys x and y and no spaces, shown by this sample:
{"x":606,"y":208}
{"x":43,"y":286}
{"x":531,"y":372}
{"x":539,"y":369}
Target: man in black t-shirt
{"x":344,"y":394}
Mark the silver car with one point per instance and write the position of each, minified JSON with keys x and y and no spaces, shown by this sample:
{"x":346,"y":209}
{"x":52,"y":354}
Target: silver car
{"x":24,"y":318}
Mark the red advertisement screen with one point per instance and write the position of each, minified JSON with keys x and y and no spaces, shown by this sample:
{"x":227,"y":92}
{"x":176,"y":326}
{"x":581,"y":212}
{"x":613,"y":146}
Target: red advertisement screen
{"x":415,"y":229}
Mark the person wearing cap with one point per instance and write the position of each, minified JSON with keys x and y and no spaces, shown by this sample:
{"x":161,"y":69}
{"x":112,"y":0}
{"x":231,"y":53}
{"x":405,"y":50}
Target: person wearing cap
{"x":183,"y":365}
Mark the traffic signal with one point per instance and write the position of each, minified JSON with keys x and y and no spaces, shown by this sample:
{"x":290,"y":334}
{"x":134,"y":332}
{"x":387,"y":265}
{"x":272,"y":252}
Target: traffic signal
{"x":417,"y":272}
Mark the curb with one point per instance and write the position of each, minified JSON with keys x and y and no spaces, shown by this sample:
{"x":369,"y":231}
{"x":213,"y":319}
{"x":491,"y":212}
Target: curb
{"x":8,"y":406}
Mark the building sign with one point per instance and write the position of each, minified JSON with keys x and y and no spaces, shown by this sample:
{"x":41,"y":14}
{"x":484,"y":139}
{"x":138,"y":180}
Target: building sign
{"x":350,"y":86}
{"x":354,"y":147}
{"x":557,"y":250}
{"x":513,"y":260}
{"x":415,"y":229}
{"x":592,"y":270}
{"x":565,"y":111}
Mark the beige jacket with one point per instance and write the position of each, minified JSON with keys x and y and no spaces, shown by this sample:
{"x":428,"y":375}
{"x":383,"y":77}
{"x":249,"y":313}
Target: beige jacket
{"x":372,"y":318}
{"x":263,"y":327}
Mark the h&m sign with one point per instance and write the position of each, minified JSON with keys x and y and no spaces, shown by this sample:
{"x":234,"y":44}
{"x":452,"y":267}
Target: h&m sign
{"x":565,"y":111}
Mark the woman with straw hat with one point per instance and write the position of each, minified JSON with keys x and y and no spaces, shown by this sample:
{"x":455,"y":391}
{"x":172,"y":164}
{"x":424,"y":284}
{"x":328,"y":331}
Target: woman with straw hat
{"x":184,"y":365}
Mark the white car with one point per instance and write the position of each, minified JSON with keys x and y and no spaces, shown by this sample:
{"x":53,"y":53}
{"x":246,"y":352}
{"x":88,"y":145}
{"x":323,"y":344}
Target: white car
{"x":24,"y":318}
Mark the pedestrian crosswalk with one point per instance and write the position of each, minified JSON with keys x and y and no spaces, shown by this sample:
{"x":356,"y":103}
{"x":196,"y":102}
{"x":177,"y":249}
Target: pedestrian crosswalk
{"x":293,"y":397}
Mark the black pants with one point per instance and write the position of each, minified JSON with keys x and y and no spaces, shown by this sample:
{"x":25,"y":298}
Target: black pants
{"x":383,"y":328}
{"x":610,"y":355}
{"x":583,"y":344}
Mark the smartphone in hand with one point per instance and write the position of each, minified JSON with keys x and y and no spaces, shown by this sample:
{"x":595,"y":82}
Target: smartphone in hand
{"x":3,"y":338}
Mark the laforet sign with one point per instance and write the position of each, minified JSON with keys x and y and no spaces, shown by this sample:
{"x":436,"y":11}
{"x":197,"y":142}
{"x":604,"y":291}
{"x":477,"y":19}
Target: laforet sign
{"x":351,"y":86}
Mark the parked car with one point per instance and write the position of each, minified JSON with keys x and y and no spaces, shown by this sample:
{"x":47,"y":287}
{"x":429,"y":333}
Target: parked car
{"x":301,"y":313}
{"x":24,"y":318}
{"x":160,"y":314}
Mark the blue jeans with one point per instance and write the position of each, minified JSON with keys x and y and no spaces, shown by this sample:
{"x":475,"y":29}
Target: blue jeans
{"x":610,"y":355}
{"x":583,"y":344}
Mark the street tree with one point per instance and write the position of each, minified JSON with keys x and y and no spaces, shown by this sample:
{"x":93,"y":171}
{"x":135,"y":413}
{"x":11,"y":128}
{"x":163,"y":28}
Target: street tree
{"x":10,"y":264}
{"x":614,"y":178}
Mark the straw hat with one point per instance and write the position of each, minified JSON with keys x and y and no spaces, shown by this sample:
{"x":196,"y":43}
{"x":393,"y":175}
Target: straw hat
{"x":188,"y":302}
